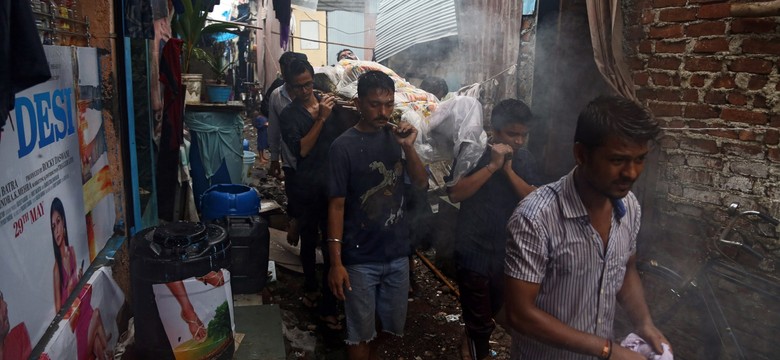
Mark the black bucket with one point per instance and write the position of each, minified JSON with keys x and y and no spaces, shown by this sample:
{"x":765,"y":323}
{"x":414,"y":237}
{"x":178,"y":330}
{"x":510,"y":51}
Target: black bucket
{"x":181,"y":294}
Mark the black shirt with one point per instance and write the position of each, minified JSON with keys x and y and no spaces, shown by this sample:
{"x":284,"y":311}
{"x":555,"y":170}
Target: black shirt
{"x":481,"y":227}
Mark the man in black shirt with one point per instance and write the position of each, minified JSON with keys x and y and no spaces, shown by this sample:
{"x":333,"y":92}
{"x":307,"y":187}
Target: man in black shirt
{"x":308,"y":130}
{"x":368,"y":236}
{"x":488,"y":194}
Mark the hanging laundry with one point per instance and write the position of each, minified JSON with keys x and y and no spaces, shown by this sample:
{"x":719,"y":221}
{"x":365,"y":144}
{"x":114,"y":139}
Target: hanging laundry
{"x":20,"y":48}
{"x":283,"y":11}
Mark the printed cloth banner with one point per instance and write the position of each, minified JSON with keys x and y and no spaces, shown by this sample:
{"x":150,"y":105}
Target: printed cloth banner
{"x":56,"y":198}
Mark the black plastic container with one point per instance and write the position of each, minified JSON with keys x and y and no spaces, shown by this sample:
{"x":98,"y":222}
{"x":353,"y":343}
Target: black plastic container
{"x":174,"y":253}
{"x":250,"y":241}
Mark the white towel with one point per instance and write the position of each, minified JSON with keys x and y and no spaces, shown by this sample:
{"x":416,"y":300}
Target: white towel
{"x":635,"y":343}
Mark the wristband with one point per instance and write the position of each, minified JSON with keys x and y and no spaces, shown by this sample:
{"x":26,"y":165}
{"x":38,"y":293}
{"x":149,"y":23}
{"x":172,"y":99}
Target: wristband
{"x":488,"y":168}
{"x":606,"y":352}
{"x":334,"y":241}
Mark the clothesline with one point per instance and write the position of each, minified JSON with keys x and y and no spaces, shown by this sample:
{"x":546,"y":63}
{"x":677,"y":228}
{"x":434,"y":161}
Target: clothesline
{"x":510,"y":68}
{"x":326,"y":42}
{"x":765,"y":128}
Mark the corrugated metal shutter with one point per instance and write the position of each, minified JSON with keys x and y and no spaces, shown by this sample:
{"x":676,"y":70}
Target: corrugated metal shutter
{"x":403,"y":23}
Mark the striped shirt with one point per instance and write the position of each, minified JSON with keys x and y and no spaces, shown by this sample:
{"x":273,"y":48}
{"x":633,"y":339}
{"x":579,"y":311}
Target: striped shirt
{"x":552,"y":243}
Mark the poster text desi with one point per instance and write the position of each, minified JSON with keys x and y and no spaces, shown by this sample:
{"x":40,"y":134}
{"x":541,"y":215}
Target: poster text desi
{"x":51,"y":119}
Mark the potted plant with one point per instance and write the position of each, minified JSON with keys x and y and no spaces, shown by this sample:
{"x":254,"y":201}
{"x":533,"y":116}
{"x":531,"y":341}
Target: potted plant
{"x":190,"y":25}
{"x":217,"y":89}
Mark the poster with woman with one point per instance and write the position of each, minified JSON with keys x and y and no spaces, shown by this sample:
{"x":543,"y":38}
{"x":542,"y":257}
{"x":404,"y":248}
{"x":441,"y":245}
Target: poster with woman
{"x":41,"y":252}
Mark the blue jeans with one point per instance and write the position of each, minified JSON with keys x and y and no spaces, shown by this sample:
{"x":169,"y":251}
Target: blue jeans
{"x":379,"y":290}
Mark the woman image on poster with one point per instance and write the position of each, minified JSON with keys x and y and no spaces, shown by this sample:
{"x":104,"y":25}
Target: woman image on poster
{"x":66,"y":276}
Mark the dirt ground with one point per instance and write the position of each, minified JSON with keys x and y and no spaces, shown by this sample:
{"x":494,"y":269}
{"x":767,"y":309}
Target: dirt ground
{"x":434,"y":326}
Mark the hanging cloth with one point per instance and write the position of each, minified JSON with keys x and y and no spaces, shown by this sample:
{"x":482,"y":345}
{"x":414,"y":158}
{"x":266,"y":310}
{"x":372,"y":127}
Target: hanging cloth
{"x":22,"y":61}
{"x":171,"y":134}
{"x":283,"y":11}
{"x":139,"y":19}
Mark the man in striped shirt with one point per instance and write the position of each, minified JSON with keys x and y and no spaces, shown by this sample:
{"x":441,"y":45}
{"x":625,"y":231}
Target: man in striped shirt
{"x":571,"y":247}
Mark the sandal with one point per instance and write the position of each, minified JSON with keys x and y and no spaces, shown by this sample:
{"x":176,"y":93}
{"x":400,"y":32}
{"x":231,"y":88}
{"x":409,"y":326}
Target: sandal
{"x":198,"y":331}
{"x":332,"y":323}
{"x":310,"y":300}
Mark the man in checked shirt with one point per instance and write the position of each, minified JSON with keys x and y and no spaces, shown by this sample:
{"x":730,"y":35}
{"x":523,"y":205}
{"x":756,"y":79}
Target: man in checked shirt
{"x":572,"y":243}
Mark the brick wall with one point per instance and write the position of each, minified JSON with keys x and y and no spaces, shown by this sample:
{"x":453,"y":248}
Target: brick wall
{"x":713,"y":82}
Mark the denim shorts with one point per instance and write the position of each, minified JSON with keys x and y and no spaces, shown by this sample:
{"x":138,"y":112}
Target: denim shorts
{"x":379,"y":290}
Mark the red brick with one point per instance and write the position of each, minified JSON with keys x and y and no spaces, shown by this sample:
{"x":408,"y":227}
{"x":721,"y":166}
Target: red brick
{"x":670,"y":47}
{"x":772,"y":137}
{"x":761,"y":46}
{"x":660,"y":109}
{"x":724,"y":82}
{"x":757,"y":82}
{"x":662,"y":79}
{"x":715,"y":11}
{"x":641,"y":78}
{"x":700,"y":111}
{"x":715,"y":98}
{"x":675,"y":124}
{"x":711,"y":45}
{"x":759,"y":101}
{"x":664,"y":63}
{"x":706,"y":28}
{"x":667,"y":142}
{"x":736,"y":98}
{"x":773,"y":154}
{"x":677,"y":15}
{"x":741,"y":26}
{"x":697,"y":80}
{"x":774,"y":121}
{"x":645,"y":47}
{"x":751,"y":65}
{"x":667,"y":95}
{"x":635,"y":63}
{"x":743,"y":116}
{"x":648,"y":16}
{"x":690,"y":95}
{"x":702,"y":64}
{"x":726,"y":134}
{"x":746,"y":135}
{"x":700,"y":145}
{"x":666,"y":32}
{"x":667,"y":3}
{"x":696,"y":124}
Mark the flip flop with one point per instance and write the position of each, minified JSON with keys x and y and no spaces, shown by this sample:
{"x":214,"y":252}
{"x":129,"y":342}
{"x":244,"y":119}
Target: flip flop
{"x":310,"y":300}
{"x":332,"y":323}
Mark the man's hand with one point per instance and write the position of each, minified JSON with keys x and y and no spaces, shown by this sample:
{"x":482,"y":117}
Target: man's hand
{"x":654,"y":337}
{"x":338,"y":279}
{"x":499,"y":154}
{"x":275,"y":169}
{"x":621,"y":353}
{"x":405,"y":133}
{"x":326,"y":106}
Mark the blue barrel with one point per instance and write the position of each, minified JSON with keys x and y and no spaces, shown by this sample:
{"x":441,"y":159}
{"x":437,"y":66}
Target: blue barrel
{"x":180,"y":291}
{"x":198,"y":173}
{"x":229,"y":200}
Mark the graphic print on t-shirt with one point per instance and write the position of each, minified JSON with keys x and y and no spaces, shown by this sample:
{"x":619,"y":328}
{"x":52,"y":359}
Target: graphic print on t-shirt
{"x":379,"y":200}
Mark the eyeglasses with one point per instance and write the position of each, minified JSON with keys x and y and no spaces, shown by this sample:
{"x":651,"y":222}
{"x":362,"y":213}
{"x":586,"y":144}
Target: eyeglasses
{"x":308,"y":85}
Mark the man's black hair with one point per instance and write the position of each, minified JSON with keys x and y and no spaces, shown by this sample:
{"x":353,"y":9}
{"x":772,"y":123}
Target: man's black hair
{"x":288,"y":57}
{"x":615,"y":115}
{"x":509,"y":111}
{"x":435,"y":85}
{"x":295,"y":68}
{"x":338,"y":54}
{"x":374,"y":79}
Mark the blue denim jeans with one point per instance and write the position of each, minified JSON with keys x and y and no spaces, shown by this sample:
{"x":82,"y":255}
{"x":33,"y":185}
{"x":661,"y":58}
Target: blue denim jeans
{"x":379,"y":290}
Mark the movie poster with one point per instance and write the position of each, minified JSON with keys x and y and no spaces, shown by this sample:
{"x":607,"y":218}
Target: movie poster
{"x":49,"y":229}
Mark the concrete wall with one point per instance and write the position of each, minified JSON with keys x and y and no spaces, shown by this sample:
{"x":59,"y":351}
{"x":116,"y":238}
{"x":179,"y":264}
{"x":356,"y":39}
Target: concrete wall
{"x":318,"y":56}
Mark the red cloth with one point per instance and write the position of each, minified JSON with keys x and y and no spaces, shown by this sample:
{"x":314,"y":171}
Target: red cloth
{"x":170,"y":76}
{"x":17,"y":344}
